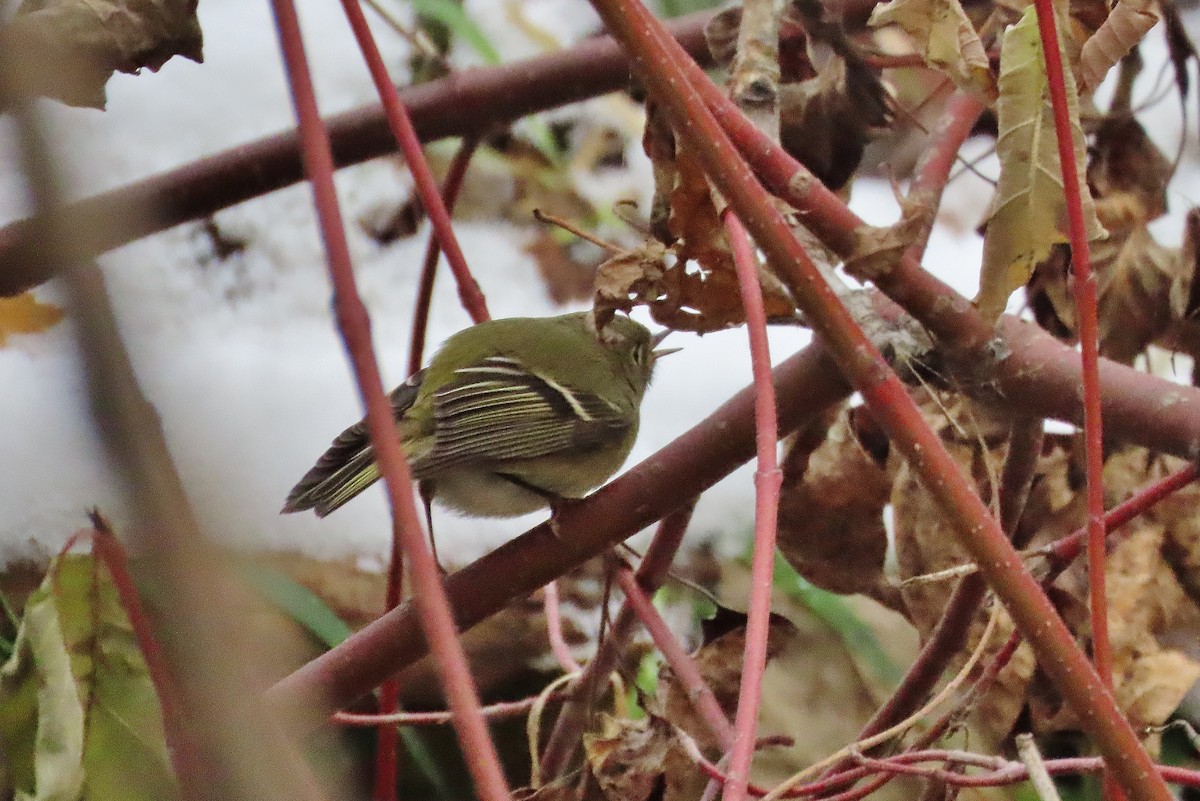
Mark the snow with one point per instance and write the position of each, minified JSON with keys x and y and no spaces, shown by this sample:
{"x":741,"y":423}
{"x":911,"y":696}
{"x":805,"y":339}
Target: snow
{"x":241,"y":357}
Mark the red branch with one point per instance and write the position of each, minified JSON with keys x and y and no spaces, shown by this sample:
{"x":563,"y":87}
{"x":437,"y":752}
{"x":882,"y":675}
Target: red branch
{"x":767,"y":481}
{"x":410,"y":146}
{"x":450,"y":189}
{"x":684,"y":667}
{"x":436,"y":619}
{"x":575,"y":713}
{"x":470,"y":103}
{"x":658,"y":63}
{"x":1064,"y":550}
{"x":1084,"y":285}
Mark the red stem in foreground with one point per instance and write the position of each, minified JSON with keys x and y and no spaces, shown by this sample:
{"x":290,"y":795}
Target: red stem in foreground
{"x":436,"y":619}
{"x":180,"y":748}
{"x":684,"y":667}
{"x":658,"y":64}
{"x":410,"y":146}
{"x":1067,"y":548}
{"x":450,"y":190}
{"x":1084,"y":285}
{"x":577,"y":711}
{"x":767,"y":481}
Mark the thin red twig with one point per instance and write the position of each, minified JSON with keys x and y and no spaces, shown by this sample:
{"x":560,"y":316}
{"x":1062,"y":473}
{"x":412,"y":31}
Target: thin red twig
{"x":685,"y":668}
{"x":497,"y":711}
{"x":572,"y":719}
{"x":387,"y":742}
{"x":180,"y":748}
{"x":933,"y":170}
{"x":1000,"y":772}
{"x":436,"y":618}
{"x":450,"y":188}
{"x":1062,"y":551}
{"x":767,"y":481}
{"x":658,"y":62}
{"x":410,"y":146}
{"x":558,"y":643}
{"x":1084,"y":285}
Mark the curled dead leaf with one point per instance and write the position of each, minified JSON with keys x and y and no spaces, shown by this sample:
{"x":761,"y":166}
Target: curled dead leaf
{"x":836,"y":483}
{"x":628,"y":279}
{"x":1128,"y":174}
{"x":68,"y":49}
{"x":626,"y":757}
{"x":877,"y":250}
{"x":1135,"y":276}
{"x":945,"y":37}
{"x":1127,"y":23}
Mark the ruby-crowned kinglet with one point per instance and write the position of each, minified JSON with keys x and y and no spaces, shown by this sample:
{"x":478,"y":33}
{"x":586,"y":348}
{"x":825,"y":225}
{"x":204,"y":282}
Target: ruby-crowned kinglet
{"x":508,"y":416}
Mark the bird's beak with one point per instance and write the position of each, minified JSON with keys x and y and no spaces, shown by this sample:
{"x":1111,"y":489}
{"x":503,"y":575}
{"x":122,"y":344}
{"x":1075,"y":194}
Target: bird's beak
{"x":657,"y":339}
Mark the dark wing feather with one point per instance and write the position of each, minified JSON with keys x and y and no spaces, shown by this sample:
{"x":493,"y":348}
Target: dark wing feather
{"x":348,"y":467}
{"x":500,"y":410}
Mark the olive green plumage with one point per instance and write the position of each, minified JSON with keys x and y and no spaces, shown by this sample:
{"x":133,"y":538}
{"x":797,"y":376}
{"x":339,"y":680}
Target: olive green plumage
{"x":509,"y":415}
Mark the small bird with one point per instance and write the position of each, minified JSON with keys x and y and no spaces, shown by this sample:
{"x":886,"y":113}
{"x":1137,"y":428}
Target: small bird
{"x":510,"y":416}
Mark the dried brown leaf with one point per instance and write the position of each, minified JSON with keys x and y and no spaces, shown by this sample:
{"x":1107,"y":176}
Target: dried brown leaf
{"x":1185,"y":289}
{"x":73,"y":47}
{"x":1135,"y":276}
{"x":626,"y":757}
{"x":831,"y":513}
{"x":630,"y":278}
{"x":946,"y":39}
{"x":695,"y":221}
{"x":877,"y":250}
{"x":1128,"y":174}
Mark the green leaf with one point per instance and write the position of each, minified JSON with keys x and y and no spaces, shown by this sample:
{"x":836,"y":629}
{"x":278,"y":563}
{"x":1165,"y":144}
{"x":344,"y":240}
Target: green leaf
{"x":451,"y":14}
{"x":79,"y":716}
{"x":1029,"y":214}
{"x":308,"y":610}
{"x":835,"y":613}
{"x":300,"y":603}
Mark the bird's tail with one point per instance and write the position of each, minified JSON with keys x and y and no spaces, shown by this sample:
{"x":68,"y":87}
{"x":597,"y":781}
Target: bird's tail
{"x":348,"y":467}
{"x":335,"y":479}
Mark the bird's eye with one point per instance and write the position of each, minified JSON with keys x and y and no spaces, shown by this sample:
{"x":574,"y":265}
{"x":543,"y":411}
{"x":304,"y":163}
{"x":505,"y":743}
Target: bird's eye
{"x":639,"y":354}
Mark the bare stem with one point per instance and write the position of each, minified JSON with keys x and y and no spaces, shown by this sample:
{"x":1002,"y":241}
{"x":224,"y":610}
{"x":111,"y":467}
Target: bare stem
{"x":410,"y":146}
{"x":437,"y":622}
{"x":466,"y":104}
{"x":767,"y":481}
{"x":1084,"y":285}
{"x":573,"y":718}
{"x":450,"y":190}
{"x":684,"y":667}
{"x":866,"y":369}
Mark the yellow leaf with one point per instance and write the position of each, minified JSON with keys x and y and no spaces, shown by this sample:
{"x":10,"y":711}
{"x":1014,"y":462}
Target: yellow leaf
{"x":947,"y":38}
{"x":1029,"y":213}
{"x":24,"y":314}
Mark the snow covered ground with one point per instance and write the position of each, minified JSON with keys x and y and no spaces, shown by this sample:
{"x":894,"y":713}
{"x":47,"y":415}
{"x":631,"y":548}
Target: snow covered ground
{"x":241,"y":357}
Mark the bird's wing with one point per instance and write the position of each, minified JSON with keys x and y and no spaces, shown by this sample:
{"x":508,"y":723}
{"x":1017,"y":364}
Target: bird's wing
{"x":348,"y":467}
{"x":499,"y":409}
